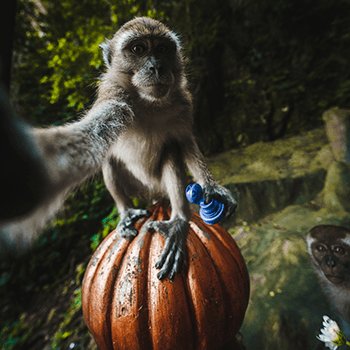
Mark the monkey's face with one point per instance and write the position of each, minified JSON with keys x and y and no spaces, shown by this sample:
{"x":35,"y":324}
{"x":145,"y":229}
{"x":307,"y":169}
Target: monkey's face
{"x":145,"y":55}
{"x":329,"y":249}
{"x":151,"y":62}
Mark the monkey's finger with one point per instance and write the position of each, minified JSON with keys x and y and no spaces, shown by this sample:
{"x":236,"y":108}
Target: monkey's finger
{"x":160,"y":227}
{"x":161,"y":274}
{"x":127,"y":231}
{"x":168,"y":247}
{"x":179,"y":263}
{"x":153,"y":225}
{"x":168,"y":265}
{"x":231,"y":208}
{"x":207,"y":198}
{"x":129,"y":234}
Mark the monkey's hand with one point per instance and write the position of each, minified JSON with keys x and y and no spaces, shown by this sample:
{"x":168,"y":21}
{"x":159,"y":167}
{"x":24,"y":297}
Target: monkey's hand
{"x":172,"y":259}
{"x":213,"y":190}
{"x":127,"y":221}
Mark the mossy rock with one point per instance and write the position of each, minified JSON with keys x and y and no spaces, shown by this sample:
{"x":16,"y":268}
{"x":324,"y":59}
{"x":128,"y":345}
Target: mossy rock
{"x":261,"y":198}
{"x":287,"y":302}
{"x":338,"y":132}
{"x":292,"y":157}
{"x":336,"y":192}
{"x":267,"y":177}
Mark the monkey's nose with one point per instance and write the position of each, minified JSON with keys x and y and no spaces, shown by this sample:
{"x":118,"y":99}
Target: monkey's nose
{"x":330,"y":261}
{"x":155,"y":69}
{"x":155,"y":66}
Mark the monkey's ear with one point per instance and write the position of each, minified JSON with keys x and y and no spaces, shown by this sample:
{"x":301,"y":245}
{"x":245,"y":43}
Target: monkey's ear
{"x":106,"y":52}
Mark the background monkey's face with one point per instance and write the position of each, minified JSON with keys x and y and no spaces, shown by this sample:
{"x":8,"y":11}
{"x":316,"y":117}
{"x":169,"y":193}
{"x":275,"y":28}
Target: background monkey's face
{"x":329,"y":249}
{"x":146,"y":55}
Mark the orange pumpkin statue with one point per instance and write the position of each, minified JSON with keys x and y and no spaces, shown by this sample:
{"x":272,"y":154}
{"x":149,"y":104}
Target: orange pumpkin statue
{"x":126,"y":307}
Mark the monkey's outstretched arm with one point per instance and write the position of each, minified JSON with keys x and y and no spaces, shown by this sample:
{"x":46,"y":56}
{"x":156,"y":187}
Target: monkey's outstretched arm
{"x":211,"y":189}
{"x":74,"y":152}
{"x":70,"y":154}
{"x":19,"y":159}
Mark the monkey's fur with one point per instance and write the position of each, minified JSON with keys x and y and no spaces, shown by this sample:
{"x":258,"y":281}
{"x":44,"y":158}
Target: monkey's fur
{"x":139,"y":131}
{"x":329,"y":250}
{"x":145,"y":69}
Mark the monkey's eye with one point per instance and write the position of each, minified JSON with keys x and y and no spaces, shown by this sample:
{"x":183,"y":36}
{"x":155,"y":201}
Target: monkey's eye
{"x":162,"y":48}
{"x":138,"y":49}
{"x":339,"y":250}
{"x":320,"y":248}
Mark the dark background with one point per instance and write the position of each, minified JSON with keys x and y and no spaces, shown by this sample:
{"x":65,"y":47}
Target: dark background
{"x":258,"y":71}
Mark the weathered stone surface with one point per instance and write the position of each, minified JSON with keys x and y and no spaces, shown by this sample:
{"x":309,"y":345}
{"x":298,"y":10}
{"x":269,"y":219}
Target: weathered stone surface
{"x":267,"y":177}
{"x":338,"y":132}
{"x":287,"y":302}
{"x":260,"y":198}
{"x":276,"y":211}
{"x":336,"y":191}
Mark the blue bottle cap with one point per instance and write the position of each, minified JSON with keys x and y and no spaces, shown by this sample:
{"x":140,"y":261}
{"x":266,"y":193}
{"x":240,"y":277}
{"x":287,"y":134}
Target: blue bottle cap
{"x":194,"y":193}
{"x":210,"y":213}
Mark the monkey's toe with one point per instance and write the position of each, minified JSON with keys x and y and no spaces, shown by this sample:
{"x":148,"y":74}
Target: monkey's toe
{"x":126,"y":226}
{"x":172,"y":258}
{"x":173,"y":264}
{"x":127,"y":231}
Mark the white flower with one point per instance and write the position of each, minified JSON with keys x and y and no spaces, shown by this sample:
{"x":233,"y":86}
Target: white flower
{"x":331,"y":335}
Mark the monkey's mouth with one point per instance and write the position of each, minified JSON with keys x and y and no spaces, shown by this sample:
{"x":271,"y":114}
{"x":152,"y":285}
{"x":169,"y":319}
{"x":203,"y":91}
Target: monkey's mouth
{"x":335,"y":279}
{"x":156,"y":90}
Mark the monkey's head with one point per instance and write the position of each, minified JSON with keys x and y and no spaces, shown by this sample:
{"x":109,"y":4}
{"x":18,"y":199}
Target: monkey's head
{"x":329,"y":250}
{"x":145,"y":55}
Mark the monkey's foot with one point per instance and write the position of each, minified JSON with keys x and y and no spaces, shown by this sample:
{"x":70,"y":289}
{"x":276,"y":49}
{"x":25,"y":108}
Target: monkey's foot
{"x":172,"y":259}
{"x":221,"y":194}
{"x":126,"y":225}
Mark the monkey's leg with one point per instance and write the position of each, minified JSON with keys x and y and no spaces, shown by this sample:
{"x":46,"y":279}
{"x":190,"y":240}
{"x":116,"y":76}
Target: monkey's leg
{"x":172,"y":259}
{"x":116,"y":179}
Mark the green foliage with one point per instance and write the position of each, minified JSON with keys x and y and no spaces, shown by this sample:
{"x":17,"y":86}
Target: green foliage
{"x":263,"y":69}
{"x":63,"y":243}
{"x":110,"y":222}
{"x":258,"y":70}
{"x":14,"y":335}
{"x":73,"y":51}
{"x":293,"y":57}
{"x":65,"y":330}
{"x":57,"y":55}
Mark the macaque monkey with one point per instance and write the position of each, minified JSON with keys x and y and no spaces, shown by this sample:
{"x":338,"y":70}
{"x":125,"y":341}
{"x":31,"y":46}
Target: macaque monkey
{"x":145,"y":69}
{"x":329,"y":250}
{"x":144,"y":83}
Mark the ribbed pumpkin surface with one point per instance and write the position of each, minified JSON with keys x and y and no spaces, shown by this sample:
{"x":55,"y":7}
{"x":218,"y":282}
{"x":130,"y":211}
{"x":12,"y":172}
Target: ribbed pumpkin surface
{"x":126,"y":307}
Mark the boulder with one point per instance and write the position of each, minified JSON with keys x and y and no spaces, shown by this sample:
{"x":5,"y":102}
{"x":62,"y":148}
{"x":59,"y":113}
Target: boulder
{"x":338,"y":132}
{"x":336,"y":192}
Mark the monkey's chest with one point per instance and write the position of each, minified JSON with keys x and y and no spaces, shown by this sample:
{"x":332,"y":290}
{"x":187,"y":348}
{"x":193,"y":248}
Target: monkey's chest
{"x":140,"y":153}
